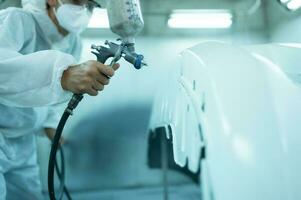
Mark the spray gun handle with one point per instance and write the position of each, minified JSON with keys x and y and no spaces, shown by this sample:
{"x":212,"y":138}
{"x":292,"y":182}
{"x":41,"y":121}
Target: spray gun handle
{"x":101,"y":57}
{"x":103,"y":53}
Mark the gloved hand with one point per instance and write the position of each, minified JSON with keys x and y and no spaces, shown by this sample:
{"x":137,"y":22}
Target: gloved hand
{"x":89,"y":77}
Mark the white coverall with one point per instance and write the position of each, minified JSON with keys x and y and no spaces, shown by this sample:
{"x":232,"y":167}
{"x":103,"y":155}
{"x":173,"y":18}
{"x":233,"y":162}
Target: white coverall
{"x":30,"y":87}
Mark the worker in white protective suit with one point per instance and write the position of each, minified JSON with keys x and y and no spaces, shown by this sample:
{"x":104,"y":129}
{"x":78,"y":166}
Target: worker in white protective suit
{"x":39,"y":48}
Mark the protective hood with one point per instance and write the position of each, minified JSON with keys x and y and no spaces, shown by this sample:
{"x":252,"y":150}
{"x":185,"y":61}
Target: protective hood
{"x":34,"y":5}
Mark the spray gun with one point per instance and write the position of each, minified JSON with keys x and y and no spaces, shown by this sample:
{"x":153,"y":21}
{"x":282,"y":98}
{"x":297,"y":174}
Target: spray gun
{"x":117,"y":51}
{"x":126,"y":21}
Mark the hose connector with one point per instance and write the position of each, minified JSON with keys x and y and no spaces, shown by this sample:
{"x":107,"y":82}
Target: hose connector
{"x":73,"y":103}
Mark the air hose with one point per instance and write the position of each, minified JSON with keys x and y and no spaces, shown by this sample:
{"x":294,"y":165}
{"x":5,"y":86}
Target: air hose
{"x":53,"y":164}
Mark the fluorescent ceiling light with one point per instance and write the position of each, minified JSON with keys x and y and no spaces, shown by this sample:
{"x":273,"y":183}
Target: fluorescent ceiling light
{"x":99,"y":19}
{"x":207,"y":19}
{"x":294,"y":4}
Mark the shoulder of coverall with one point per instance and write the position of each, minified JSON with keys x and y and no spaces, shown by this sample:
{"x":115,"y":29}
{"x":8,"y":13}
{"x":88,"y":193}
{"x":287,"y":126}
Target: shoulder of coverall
{"x":18,"y":26}
{"x":16,"y":14}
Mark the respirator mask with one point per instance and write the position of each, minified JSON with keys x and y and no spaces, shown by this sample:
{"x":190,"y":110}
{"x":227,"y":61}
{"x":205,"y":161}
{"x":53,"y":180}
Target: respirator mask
{"x":74,"y":18}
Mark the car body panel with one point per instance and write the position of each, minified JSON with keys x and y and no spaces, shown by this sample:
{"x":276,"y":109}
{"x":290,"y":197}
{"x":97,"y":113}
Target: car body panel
{"x":244,"y":105}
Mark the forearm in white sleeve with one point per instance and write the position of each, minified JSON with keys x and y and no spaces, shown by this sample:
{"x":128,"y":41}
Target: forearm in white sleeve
{"x":33,"y":80}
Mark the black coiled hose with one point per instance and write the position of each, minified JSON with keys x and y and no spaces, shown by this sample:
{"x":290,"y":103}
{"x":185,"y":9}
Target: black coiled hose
{"x":53,"y":164}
